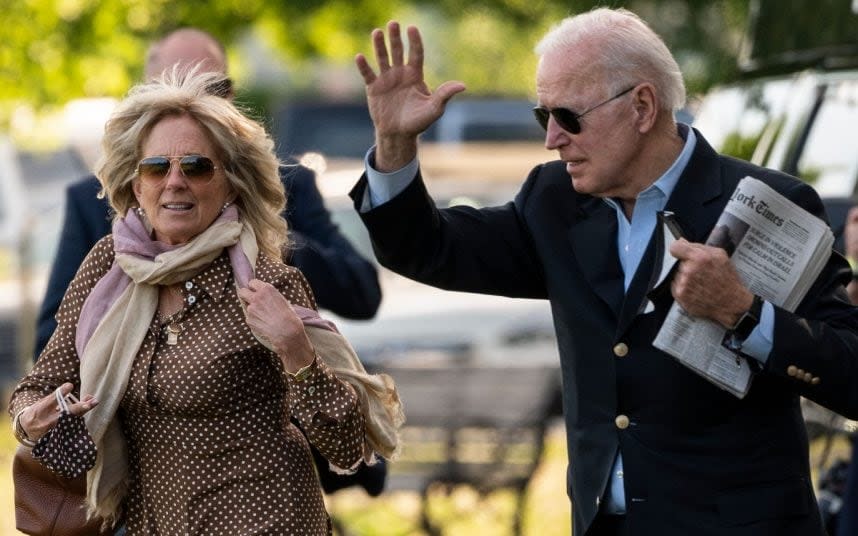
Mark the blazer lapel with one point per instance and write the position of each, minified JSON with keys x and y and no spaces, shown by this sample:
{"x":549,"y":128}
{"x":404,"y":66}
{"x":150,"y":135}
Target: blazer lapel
{"x":695,"y":199}
{"x":694,"y":203}
{"x":594,"y":242}
{"x":636,"y":295}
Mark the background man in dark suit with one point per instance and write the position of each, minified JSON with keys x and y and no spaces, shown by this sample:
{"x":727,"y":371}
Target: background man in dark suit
{"x":341,"y":279}
{"x":654,"y":449}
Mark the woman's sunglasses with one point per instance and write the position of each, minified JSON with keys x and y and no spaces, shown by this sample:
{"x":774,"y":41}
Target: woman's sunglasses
{"x":566,"y":118}
{"x":195,"y":168}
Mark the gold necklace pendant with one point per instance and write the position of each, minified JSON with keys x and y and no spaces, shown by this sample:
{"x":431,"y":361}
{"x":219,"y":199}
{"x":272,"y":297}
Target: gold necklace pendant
{"x":173,"y":331}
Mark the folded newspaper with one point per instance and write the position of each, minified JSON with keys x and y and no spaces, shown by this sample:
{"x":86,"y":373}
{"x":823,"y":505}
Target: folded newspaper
{"x":778,"y":249}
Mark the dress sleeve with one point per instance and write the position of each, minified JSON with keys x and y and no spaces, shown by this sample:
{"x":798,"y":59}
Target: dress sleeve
{"x":59,"y":362}
{"x":329,"y":414}
{"x":327,"y":408}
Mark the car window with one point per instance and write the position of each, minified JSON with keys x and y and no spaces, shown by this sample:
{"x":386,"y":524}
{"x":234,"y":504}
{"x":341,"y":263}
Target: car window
{"x":829,"y":159}
{"x":735,"y":119}
{"x":486,"y":120}
{"x":344,"y":129}
{"x":335,"y":129}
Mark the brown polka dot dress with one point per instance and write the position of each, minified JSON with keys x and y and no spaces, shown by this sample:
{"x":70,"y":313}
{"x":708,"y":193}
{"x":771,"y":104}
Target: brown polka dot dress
{"x":212,"y":447}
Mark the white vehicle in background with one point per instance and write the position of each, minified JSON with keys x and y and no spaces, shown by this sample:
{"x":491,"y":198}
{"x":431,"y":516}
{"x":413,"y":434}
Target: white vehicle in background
{"x":795,"y":109}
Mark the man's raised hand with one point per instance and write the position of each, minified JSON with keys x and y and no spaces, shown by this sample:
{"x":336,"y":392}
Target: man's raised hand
{"x":400,"y":103}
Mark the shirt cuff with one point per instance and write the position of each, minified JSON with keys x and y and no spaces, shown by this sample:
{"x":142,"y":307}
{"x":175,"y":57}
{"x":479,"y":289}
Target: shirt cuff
{"x":382,"y":187}
{"x":759,"y":343}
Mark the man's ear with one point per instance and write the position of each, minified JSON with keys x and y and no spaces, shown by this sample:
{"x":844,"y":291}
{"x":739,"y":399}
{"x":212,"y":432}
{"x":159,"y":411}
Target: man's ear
{"x":645,"y":103}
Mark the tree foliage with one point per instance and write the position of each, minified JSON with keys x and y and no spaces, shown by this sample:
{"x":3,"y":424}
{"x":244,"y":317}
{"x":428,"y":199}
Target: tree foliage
{"x":56,"y":50}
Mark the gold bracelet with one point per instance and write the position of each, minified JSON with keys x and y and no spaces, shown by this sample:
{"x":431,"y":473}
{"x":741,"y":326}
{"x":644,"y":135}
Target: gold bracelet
{"x":302,"y":373}
{"x":19,"y":432}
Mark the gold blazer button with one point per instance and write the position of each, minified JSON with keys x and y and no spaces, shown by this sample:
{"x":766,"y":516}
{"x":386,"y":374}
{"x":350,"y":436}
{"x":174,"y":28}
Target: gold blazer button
{"x":621,"y":349}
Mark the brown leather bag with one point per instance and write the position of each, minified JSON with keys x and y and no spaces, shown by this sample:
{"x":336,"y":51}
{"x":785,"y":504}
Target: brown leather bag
{"x":47,"y":504}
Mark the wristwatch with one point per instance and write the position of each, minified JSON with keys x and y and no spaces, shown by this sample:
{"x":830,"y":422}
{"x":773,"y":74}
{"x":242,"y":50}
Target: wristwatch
{"x":748,"y":321}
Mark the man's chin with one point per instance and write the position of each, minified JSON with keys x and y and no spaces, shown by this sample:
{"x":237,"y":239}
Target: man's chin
{"x":581,"y":185}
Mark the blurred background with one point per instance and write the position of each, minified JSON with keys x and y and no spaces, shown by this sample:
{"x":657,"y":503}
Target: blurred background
{"x":761,"y":86}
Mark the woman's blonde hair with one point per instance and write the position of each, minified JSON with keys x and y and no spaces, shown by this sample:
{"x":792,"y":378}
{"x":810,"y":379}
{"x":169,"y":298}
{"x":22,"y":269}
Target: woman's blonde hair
{"x":245,"y":150}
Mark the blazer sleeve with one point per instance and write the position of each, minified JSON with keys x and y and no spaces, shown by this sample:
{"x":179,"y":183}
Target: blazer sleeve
{"x":487,"y":250}
{"x":815,"y":350}
{"x":86,"y":220}
{"x":342,"y":280}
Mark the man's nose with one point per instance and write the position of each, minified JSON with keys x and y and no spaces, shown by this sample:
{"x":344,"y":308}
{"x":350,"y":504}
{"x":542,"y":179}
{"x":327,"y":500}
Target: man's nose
{"x":555,"y":136}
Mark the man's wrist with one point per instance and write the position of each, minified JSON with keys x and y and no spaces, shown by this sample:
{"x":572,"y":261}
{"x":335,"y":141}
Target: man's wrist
{"x":749,"y":320}
{"x":393,"y":153}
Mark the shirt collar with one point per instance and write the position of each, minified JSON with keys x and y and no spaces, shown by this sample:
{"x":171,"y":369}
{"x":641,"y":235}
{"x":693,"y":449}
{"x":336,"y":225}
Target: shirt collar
{"x":667,"y":182}
{"x":213,"y":280}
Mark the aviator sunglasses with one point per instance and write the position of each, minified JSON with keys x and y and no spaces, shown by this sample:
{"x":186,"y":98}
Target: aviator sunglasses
{"x":195,"y":168}
{"x":566,"y":118}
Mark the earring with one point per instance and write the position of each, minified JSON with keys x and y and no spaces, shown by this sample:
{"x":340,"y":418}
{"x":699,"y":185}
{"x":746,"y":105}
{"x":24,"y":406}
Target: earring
{"x":140,"y":211}
{"x":225,"y":206}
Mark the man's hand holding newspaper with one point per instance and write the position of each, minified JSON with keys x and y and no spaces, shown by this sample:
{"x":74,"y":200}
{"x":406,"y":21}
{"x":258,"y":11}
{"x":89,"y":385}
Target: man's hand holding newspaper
{"x":774,"y":246}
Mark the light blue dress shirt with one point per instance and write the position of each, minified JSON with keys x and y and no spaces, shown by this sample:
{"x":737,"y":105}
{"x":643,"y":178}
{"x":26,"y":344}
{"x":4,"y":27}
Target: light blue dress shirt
{"x":632,"y":239}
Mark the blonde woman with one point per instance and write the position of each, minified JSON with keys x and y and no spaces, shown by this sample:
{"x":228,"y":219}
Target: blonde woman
{"x":192,"y":344}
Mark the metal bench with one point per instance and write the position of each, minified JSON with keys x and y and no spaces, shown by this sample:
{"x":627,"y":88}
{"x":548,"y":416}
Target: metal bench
{"x":469,"y":423}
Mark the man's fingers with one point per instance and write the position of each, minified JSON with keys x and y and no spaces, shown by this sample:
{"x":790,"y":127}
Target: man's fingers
{"x":396,"y":47}
{"x":681,"y":248}
{"x":415,"y":48}
{"x":364,"y":69}
{"x":447,"y":90}
{"x":380,"y":47}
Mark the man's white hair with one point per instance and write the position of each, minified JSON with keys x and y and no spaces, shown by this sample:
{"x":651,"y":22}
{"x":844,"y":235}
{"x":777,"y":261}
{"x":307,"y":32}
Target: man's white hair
{"x":628,"y":52}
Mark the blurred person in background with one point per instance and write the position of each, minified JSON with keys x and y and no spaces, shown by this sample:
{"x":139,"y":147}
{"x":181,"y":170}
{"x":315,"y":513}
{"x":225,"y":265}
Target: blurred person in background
{"x":847,"y":520}
{"x":341,"y":279}
{"x":653,"y":447}
{"x":185,"y":338}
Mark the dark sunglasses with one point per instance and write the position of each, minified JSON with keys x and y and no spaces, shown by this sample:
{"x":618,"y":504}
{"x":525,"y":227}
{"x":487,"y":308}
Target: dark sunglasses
{"x":566,"y":118}
{"x":195,"y":168}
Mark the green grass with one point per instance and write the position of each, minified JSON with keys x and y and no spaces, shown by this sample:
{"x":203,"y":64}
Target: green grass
{"x":461,"y":510}
{"x":7,"y":451}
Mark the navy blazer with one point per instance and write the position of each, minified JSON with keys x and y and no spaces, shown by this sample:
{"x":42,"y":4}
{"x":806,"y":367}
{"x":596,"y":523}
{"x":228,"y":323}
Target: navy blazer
{"x":342,"y":280}
{"x":697,"y":460}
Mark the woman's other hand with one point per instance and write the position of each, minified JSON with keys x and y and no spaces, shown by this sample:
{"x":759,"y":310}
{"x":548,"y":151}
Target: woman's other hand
{"x":269,"y":314}
{"x":39,"y":418}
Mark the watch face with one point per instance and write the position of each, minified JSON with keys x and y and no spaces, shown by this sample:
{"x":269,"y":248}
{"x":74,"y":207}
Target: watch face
{"x":748,"y":320}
